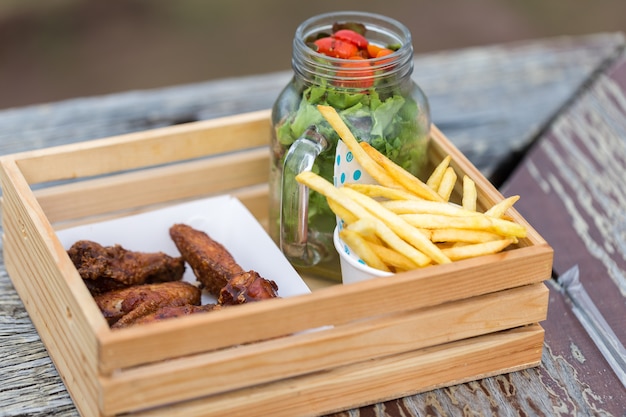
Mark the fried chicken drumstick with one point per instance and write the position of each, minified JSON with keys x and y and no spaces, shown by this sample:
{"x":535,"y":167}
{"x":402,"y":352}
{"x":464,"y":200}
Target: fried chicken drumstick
{"x":105,"y":268}
{"x":133,"y":288}
{"x":246,"y":287}
{"x":123,"y":307}
{"x":168,"y":312}
{"x":217,"y":270}
{"x":211,"y":262}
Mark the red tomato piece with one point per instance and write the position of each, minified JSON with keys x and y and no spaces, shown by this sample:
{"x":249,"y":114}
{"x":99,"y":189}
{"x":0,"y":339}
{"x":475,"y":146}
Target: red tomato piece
{"x":336,"y":48}
{"x":352,"y":37}
{"x":361,"y":53}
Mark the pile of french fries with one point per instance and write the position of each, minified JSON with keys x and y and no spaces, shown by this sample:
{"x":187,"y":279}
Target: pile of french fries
{"x":402,"y":223}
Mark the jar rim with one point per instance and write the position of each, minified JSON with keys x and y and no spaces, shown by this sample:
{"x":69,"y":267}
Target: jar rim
{"x":308,"y":62}
{"x":372,"y":21}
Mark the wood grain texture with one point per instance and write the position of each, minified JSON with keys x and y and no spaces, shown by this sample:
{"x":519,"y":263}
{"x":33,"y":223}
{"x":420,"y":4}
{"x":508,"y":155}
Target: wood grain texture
{"x":325,"y":390}
{"x":491,"y":102}
{"x":576,"y":173}
{"x":487,"y":100}
{"x":330,"y":350}
{"x":370,"y":320}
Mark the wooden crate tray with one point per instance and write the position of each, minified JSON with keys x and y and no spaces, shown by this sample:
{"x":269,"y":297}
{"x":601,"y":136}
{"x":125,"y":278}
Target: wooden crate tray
{"x":374,"y":340}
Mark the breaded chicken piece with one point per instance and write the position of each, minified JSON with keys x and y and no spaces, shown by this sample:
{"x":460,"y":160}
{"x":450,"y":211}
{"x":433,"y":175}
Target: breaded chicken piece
{"x":105,"y":268}
{"x":164,"y":313}
{"x":128,"y":304}
{"x":246,"y":287}
{"x":211,"y":262}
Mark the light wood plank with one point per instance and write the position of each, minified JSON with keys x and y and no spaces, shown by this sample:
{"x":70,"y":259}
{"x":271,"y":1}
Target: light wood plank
{"x":149,"y":148}
{"x":133,"y":192}
{"x":259,"y":363}
{"x":407,"y":374}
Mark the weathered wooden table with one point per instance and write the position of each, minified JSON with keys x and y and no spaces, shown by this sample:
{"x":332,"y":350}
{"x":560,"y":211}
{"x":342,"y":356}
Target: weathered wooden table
{"x":544,"y":119}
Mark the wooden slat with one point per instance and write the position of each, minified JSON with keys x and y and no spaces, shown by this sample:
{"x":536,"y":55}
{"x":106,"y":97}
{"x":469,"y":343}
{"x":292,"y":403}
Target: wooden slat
{"x":76,"y":364}
{"x":149,"y":148}
{"x":67,"y":326}
{"x":259,"y":363}
{"x":136,"y":191}
{"x":404,"y":374}
{"x":431,"y":286}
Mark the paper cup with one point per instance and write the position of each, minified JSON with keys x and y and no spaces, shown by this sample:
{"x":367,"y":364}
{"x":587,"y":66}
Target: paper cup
{"x":348,"y":170}
{"x":353,"y":269}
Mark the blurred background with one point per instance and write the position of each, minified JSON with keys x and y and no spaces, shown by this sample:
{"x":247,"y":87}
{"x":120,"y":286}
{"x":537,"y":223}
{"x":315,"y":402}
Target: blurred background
{"x":53,"y":50}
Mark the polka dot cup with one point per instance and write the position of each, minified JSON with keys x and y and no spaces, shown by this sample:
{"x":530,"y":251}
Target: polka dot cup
{"x":353,"y":269}
{"x":348,"y":170}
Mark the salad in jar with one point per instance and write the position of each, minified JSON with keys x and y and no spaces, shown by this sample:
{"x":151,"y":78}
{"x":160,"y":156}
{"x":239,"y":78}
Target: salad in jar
{"x":364,"y":72}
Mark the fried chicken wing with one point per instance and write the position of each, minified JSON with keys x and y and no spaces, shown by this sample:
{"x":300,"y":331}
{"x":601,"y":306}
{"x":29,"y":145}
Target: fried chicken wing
{"x":126,"y":305}
{"x":246,"y":287}
{"x":105,"y":268}
{"x":167,"y":312}
{"x":211,"y":262}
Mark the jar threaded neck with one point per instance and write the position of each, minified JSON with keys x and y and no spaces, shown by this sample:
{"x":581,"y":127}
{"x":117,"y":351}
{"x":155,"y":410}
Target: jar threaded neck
{"x":314,"y":68}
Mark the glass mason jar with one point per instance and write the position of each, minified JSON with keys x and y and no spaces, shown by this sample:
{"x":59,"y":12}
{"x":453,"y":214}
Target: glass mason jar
{"x":379,"y":102}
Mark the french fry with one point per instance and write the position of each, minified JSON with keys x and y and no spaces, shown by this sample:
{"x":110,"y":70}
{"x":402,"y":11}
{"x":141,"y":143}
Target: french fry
{"x":341,"y":212}
{"x":375,"y":190}
{"x":498,"y":209}
{"x":396,"y":243}
{"x":366,"y":228}
{"x":400,"y":175}
{"x":402,"y":223}
{"x":462,"y":235}
{"x":327,"y":189}
{"x":435,"y":177}
{"x":399,"y":226}
{"x":361,"y":247}
{"x":368,"y":164}
{"x":373,"y":239}
{"x":322,"y":186}
{"x":447,"y":184}
{"x":436,"y":221}
{"x":469,"y":194}
{"x":392,"y":258}
{"x":479,"y":249}
{"x":426,"y":232}
{"x":427,"y":207}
